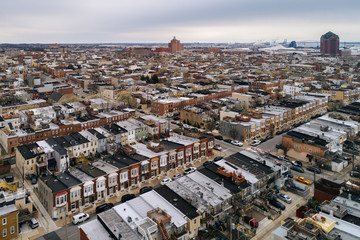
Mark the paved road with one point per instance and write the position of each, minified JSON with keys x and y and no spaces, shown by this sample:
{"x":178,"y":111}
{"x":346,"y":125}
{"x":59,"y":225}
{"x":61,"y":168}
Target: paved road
{"x":270,"y":144}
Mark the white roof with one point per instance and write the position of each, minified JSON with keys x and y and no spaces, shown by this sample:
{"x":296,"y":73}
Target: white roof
{"x":95,"y":231}
{"x":217,"y":189}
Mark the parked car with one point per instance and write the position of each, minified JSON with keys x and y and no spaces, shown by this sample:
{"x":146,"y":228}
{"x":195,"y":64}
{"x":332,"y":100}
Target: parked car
{"x":165,"y":180}
{"x":127,"y":197}
{"x":173,"y":122}
{"x":297,"y":168}
{"x":218,"y":158}
{"x":237,"y":143}
{"x":355,"y":174}
{"x":33,"y":178}
{"x":145,"y":189}
{"x":104,"y":207}
{"x":176,"y":118}
{"x":33,"y":223}
{"x":303,"y":180}
{"x":263,"y":140}
{"x":217,"y":147}
{"x":277,"y":204}
{"x":269,"y":137}
{"x":296,"y":163}
{"x":314,"y":169}
{"x":142,"y":112}
{"x":206,"y":163}
{"x":79,"y":218}
{"x":9,"y":178}
{"x":255,"y":143}
{"x":227,"y":140}
{"x":284,"y":197}
{"x":277,"y":146}
{"x":176,"y":176}
{"x":219,"y":137}
{"x":189,"y":170}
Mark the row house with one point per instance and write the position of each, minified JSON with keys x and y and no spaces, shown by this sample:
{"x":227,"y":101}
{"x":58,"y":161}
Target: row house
{"x":83,"y":187}
{"x":268,"y":120}
{"x":120,"y":135}
{"x":169,"y":106}
{"x":10,"y":139}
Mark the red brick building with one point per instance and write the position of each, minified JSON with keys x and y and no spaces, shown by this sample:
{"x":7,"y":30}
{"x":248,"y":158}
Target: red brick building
{"x":329,"y":44}
{"x":175,"y":46}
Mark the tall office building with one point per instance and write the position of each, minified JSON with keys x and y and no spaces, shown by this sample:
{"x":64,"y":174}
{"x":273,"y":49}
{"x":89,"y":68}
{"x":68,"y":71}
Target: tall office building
{"x":329,"y":44}
{"x":175,"y":46}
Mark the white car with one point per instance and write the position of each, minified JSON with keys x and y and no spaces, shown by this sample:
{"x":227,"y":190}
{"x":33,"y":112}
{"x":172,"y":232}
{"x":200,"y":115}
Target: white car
{"x":190,"y":170}
{"x":165,"y":180}
{"x":79,"y":218}
{"x":237,"y":143}
{"x":284,"y":197}
{"x":255,"y":143}
{"x":217,"y":148}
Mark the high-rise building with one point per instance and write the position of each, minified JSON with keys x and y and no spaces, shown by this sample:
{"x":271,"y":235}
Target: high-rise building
{"x":329,"y":44}
{"x":175,"y":46}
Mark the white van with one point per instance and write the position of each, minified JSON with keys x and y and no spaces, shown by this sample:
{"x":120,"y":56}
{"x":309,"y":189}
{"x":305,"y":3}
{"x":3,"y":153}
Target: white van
{"x":81,"y":217}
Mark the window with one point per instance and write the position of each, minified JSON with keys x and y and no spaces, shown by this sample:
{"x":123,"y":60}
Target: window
{"x":4,"y":221}
{"x":73,"y":205}
{"x":12,"y":229}
{"x":4,"y":233}
{"x":195,"y":221}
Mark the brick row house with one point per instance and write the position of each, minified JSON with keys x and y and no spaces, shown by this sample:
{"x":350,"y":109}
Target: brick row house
{"x":10,"y":139}
{"x":85,"y":186}
{"x":165,"y":106}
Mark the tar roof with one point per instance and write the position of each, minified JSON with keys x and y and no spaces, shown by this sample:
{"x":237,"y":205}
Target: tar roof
{"x":91,"y":170}
{"x":177,"y":201}
{"x":211,"y":172}
{"x":27,"y":151}
{"x":53,"y":183}
{"x":249,"y":164}
{"x":68,"y":180}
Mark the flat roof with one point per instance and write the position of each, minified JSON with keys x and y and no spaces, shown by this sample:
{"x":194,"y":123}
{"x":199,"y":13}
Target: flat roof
{"x":177,"y":201}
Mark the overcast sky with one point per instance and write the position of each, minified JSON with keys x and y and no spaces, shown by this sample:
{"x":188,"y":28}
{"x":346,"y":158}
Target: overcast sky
{"x":118,"y":21}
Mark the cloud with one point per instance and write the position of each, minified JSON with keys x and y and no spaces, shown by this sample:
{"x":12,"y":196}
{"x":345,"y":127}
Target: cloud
{"x":192,"y":21}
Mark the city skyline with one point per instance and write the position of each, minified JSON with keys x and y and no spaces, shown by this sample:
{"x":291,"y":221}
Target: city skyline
{"x":157,"y":21}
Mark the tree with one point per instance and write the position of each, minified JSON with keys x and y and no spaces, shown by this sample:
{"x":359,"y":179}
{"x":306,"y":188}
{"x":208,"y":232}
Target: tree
{"x":127,"y":99}
{"x":71,"y":67}
{"x":154,"y":79}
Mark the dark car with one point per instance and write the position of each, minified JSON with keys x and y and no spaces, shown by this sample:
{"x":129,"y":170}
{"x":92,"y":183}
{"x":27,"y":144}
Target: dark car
{"x":218,"y":158}
{"x":227,"y":140}
{"x":33,"y":179}
{"x":206,"y":163}
{"x":104,"y":207}
{"x":297,"y":168}
{"x":142,"y":112}
{"x":269,"y":137}
{"x":176,"y":118}
{"x":145,"y":189}
{"x":127,"y":197}
{"x":314,"y":169}
{"x":9,"y":178}
{"x":279,"y":132}
{"x":277,"y":146}
{"x":277,"y":204}
{"x":263,"y":140}
{"x":219,"y":137}
{"x":354,"y":174}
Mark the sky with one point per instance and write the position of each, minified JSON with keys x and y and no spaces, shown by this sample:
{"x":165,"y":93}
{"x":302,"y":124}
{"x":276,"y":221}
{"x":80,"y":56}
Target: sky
{"x":148,"y":21}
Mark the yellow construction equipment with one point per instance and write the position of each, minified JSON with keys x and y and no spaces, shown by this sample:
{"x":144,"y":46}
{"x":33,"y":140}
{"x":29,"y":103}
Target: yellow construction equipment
{"x":8,"y":186}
